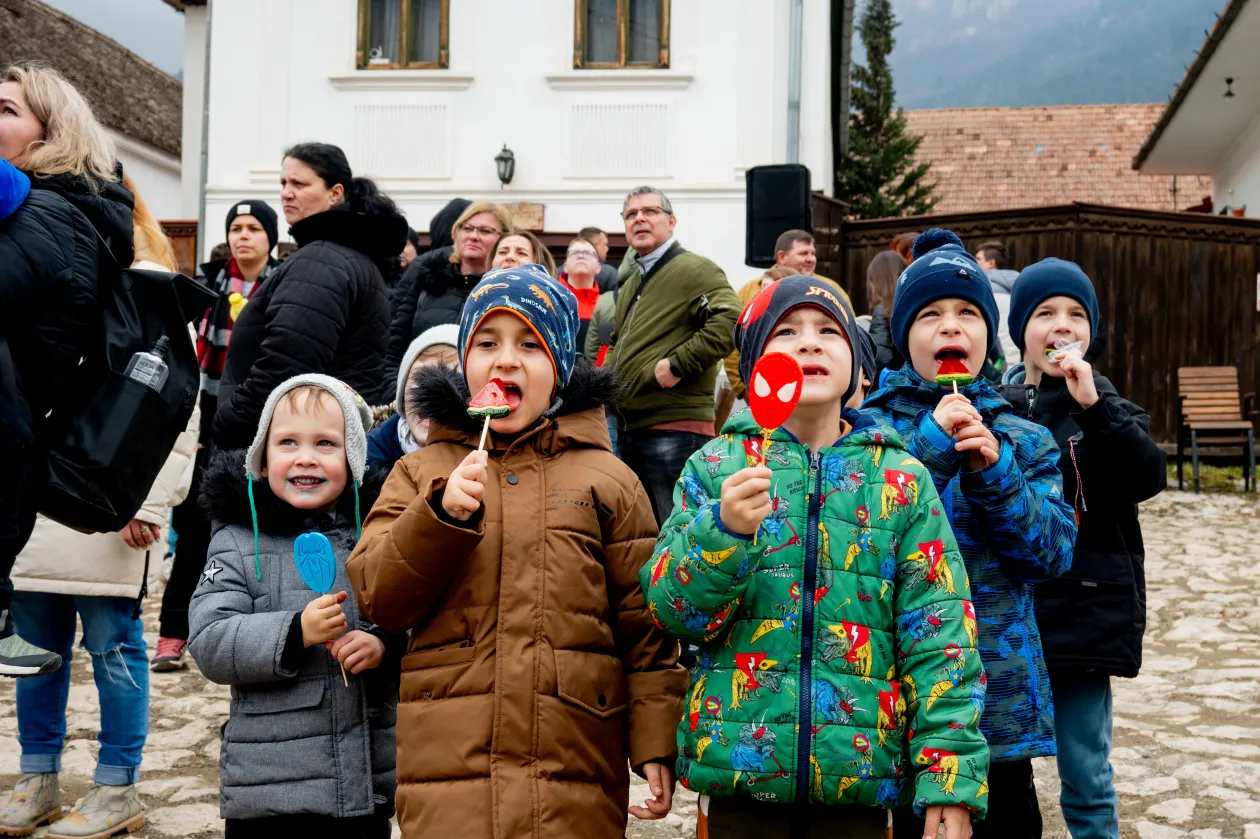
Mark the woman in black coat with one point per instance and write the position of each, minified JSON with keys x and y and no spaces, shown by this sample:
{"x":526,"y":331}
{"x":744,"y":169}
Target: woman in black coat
{"x":50,"y":264}
{"x":881,"y":284}
{"x":433,"y":290}
{"x":325,"y":309}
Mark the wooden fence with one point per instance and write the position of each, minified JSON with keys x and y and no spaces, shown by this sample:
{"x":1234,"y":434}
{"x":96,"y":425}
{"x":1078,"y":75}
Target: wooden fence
{"x":1175,"y":289}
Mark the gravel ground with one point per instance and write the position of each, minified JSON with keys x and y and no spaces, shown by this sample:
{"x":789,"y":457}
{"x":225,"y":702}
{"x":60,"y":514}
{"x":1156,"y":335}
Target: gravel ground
{"x":1187,"y":754}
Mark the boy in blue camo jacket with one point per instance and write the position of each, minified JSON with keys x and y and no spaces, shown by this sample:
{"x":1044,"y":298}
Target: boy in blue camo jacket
{"x":1000,"y":486}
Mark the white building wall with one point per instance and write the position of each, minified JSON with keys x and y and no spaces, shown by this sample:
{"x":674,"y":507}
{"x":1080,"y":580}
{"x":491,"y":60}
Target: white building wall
{"x":1240,"y":172}
{"x":283,"y":72}
{"x":194,"y":105}
{"x":156,"y":175}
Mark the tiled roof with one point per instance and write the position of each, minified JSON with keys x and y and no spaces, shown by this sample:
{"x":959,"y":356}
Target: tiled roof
{"x":128,"y":94}
{"x":1006,"y":158}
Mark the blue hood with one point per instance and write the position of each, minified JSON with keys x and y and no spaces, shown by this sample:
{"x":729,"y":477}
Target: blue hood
{"x":14,"y":187}
{"x":904,"y":391}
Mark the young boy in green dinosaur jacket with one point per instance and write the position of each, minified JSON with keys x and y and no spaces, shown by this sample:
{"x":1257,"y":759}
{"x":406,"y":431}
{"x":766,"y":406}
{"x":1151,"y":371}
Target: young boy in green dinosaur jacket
{"x":838,"y":670}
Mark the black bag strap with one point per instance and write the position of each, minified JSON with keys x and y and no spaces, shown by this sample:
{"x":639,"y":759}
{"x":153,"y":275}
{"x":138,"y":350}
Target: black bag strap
{"x":665,"y":259}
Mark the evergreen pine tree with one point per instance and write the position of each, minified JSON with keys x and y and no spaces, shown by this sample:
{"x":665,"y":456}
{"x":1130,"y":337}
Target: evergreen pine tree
{"x":879,"y":179}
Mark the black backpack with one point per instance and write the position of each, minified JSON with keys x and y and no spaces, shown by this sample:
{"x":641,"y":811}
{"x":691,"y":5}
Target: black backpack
{"x":104,"y":452}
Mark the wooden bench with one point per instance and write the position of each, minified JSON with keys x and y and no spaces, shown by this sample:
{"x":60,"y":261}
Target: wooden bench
{"x":1213,"y":412}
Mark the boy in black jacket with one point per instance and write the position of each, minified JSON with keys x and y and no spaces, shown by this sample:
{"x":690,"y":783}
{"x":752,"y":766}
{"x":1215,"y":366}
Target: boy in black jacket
{"x":1092,"y":618}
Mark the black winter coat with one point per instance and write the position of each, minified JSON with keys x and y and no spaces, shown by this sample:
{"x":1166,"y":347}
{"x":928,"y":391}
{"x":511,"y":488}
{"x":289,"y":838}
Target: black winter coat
{"x":432,"y":292}
{"x":886,"y":355}
{"x":1094,"y":616}
{"x":50,"y":272}
{"x":325,"y":310}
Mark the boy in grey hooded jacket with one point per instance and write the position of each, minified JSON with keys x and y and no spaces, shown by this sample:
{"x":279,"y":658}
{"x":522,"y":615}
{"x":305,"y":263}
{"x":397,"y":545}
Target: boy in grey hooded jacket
{"x":303,"y":750}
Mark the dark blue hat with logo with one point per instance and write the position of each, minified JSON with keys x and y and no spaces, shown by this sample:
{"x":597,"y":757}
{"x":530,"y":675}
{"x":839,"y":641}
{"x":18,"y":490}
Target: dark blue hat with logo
{"x":941,"y":268}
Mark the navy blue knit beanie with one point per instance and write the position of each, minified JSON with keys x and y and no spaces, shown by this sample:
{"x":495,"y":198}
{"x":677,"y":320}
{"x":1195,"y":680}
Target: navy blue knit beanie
{"x":941,"y":268}
{"x":771,"y":305}
{"x":866,"y":354}
{"x":1049,"y":278}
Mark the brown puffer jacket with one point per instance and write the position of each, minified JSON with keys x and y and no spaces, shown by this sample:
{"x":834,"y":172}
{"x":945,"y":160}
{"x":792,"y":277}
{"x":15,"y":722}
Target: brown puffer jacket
{"x":534,"y":672}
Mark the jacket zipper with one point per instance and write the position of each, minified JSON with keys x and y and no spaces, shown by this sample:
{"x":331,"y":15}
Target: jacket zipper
{"x":1032,"y":400}
{"x":806,"y":720}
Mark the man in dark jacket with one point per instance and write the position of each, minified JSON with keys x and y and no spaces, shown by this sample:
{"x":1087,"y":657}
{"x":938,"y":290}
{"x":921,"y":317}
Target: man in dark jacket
{"x":50,"y":265}
{"x":674,"y":323}
{"x":1093,"y":617}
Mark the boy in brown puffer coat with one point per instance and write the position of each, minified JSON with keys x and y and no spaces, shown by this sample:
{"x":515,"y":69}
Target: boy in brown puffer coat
{"x":534,"y":673}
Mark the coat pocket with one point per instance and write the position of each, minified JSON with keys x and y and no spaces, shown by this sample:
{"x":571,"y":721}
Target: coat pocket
{"x":430,"y":674}
{"x":306,"y":693}
{"x":424,"y":659}
{"x":592,"y":681}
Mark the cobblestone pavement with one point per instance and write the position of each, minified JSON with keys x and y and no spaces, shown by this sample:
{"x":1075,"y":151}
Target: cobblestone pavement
{"x":1187,"y":754}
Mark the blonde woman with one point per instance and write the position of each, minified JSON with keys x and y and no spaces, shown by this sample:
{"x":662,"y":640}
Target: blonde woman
{"x":63,"y":576}
{"x":435,"y":286}
{"x":49,"y":264}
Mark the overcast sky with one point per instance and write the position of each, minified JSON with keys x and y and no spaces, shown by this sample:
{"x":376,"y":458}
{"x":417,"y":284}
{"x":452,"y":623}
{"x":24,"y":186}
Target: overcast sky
{"x":149,"y":28}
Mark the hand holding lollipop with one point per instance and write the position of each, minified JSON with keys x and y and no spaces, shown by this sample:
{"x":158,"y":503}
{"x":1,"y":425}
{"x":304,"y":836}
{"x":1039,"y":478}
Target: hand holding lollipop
{"x":1077,"y":372}
{"x":317,"y":565}
{"x":774,"y":392}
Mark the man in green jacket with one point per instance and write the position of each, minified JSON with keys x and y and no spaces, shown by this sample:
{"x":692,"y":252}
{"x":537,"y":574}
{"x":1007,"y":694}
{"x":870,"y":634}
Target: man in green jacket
{"x":673,"y":325}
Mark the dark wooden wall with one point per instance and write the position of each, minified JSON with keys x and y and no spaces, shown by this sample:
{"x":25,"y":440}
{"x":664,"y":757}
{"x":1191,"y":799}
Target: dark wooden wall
{"x":1175,"y":289}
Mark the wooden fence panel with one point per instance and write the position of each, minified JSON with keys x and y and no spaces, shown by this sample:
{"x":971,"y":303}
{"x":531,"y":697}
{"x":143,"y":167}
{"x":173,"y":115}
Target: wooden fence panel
{"x":1175,"y":289}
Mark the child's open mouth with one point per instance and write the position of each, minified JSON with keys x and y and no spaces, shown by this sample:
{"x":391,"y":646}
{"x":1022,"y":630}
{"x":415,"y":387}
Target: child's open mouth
{"x":512,"y":393}
{"x":815,"y":371}
{"x":951,"y":353}
{"x":307,"y":481}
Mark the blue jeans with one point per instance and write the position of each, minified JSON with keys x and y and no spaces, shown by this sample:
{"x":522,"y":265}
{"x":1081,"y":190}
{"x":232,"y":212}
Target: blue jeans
{"x":658,"y":458}
{"x":120,"y":665}
{"x":1082,"y":726}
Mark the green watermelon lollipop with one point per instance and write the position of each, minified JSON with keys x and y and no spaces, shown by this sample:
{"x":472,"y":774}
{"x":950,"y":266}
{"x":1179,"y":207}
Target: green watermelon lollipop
{"x":953,"y":373}
{"x":490,"y":403}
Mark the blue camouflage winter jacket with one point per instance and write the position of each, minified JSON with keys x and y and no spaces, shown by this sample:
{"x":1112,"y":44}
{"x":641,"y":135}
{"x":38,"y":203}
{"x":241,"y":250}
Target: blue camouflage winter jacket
{"x":1014,"y":530}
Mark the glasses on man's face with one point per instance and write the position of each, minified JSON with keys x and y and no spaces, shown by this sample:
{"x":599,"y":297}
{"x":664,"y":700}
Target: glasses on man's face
{"x":583,"y":254}
{"x":484,"y":232}
{"x":648,"y":213}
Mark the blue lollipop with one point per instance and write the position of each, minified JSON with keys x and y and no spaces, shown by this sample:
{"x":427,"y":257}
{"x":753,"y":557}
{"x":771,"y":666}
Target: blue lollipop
{"x":317,"y":564}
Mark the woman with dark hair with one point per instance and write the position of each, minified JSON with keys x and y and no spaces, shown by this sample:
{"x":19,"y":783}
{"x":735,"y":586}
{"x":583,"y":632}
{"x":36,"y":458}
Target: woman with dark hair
{"x":881,"y":284}
{"x":521,"y":247}
{"x":325,"y":309}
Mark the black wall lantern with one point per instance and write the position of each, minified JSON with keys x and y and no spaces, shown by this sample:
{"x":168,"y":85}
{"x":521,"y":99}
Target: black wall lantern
{"x":506,"y":162}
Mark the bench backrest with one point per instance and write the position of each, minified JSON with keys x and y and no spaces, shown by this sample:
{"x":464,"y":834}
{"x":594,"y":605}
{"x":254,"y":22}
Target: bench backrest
{"x":1209,"y":394}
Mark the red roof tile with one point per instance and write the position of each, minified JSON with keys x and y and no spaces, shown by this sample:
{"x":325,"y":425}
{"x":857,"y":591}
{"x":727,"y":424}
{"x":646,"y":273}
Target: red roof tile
{"x":1007,"y":158}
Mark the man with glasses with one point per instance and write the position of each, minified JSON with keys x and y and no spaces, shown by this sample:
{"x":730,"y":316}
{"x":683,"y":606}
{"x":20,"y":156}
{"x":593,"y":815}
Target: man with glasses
{"x":578,"y":275}
{"x":673,"y":324}
{"x":606,"y":279}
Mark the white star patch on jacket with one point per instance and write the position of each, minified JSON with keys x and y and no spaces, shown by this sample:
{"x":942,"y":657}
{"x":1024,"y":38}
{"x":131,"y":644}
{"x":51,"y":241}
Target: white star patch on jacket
{"x":211,"y":571}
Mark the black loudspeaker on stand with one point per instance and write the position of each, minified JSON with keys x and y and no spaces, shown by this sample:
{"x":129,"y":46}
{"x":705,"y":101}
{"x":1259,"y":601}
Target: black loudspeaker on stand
{"x":777,"y":200}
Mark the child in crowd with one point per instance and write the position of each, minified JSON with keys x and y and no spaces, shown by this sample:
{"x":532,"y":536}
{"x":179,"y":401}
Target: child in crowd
{"x":404,"y":432}
{"x":534,"y":673}
{"x":304,"y":752}
{"x":838,"y":661}
{"x":1093,"y":617}
{"x":1001,"y":491}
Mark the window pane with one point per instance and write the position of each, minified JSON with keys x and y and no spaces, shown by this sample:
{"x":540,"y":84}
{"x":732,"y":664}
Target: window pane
{"x":645,"y":32}
{"x":426,"y":16}
{"x":383,"y":31}
{"x":601,"y":31}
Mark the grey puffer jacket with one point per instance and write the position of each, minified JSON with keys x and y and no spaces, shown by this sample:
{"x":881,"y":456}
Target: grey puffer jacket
{"x":298,"y":740}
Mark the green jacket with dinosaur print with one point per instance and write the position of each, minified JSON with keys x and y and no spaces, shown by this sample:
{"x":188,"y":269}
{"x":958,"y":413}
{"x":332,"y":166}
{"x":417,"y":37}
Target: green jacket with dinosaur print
{"x":838,"y":657}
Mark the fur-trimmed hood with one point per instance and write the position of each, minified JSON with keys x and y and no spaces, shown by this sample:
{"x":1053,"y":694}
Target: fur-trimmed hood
{"x":225,"y":499}
{"x":440,"y":394}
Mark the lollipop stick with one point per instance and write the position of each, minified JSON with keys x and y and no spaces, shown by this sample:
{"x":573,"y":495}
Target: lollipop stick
{"x":343,"y":675}
{"x":484,"y":430}
{"x":955,"y":388}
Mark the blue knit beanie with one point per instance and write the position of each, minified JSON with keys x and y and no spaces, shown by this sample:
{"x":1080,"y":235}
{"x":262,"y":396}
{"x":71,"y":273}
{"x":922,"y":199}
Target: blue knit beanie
{"x":941,"y":268}
{"x":764,"y":312}
{"x":531,"y":294}
{"x":14,"y":187}
{"x":1049,"y":278}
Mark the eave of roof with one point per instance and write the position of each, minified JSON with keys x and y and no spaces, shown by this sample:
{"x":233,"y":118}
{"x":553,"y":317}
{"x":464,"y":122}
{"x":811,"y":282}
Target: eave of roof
{"x":1223,"y":22}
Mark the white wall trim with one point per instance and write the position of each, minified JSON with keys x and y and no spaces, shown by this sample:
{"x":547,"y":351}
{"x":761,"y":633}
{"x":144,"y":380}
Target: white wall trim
{"x":403,"y":192}
{"x":620,"y":80}
{"x":146,"y":152}
{"x":402,"y":80}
